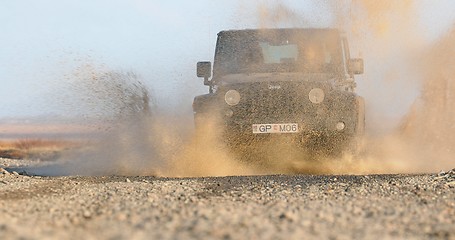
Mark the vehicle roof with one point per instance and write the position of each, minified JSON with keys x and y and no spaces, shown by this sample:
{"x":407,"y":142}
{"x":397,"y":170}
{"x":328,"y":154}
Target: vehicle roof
{"x":283,"y":30}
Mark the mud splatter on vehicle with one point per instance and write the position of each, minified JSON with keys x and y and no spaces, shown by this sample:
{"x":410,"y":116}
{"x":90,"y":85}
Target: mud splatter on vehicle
{"x":294,"y":84}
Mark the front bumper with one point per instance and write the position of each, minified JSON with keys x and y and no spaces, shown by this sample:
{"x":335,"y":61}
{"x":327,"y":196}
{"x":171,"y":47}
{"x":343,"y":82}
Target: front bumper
{"x":327,"y":126}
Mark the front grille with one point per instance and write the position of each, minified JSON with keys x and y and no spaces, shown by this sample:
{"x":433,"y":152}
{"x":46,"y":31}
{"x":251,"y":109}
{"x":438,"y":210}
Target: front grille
{"x":260,"y":104}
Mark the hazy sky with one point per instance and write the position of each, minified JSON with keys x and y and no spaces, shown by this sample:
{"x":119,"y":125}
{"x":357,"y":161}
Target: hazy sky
{"x":43,"y":43}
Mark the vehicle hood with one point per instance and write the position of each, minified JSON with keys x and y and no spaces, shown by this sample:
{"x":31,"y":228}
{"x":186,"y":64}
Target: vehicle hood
{"x":274,"y":77}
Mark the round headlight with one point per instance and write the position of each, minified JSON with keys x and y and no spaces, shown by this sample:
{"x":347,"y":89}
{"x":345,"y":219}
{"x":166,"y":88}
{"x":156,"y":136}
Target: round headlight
{"x":340,"y":126}
{"x":232,"y":97}
{"x":316,"y":95}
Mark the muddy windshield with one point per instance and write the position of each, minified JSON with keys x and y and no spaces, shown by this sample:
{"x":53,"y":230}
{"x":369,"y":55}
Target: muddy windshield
{"x":270,"y":51}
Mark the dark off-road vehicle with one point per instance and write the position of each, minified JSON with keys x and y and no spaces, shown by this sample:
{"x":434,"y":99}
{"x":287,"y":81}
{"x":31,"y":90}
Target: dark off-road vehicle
{"x":293,"y":83}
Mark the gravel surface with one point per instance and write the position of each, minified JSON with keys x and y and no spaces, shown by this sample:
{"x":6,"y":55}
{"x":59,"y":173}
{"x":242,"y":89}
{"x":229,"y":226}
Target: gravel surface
{"x":255,"y":207}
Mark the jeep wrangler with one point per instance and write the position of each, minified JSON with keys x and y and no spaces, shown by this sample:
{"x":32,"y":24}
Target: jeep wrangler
{"x":297,"y":83}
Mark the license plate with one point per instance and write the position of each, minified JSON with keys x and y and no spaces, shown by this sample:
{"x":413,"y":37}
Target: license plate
{"x":276,"y":128}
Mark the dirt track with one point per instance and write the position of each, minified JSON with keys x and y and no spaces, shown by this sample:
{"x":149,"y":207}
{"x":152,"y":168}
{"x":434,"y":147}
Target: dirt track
{"x":257,"y":207}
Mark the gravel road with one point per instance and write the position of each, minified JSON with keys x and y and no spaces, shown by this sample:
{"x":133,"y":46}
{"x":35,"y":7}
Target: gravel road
{"x":251,"y":207}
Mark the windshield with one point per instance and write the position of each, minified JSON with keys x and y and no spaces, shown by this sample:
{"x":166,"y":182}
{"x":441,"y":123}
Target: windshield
{"x":266,"y":51}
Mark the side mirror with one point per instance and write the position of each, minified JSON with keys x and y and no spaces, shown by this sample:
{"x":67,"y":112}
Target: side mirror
{"x":356,"y":66}
{"x":204,"y":70}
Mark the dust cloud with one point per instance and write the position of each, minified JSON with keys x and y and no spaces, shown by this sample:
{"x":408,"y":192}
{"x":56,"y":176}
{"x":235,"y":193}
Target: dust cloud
{"x":273,"y":15}
{"x":139,"y":139}
{"x":134,"y":135}
{"x":420,"y":138}
{"x":429,"y":125}
{"x":408,"y":85}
